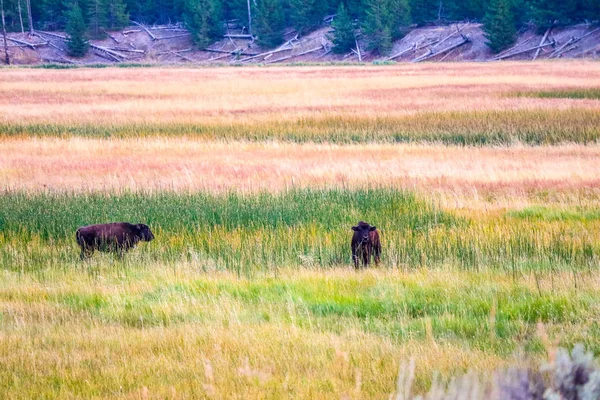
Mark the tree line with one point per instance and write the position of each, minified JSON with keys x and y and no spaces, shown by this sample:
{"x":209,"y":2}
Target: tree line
{"x":378,"y":22}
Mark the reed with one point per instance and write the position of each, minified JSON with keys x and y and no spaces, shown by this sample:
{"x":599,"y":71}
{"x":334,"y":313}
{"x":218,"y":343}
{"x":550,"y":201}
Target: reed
{"x":296,"y":228}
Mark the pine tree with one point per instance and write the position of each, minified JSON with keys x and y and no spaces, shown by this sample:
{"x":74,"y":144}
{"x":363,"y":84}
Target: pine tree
{"x":499,"y":26}
{"x":54,"y":13}
{"x":117,"y":16}
{"x":399,"y":11}
{"x":76,"y":32}
{"x":305,"y":15}
{"x":343,"y":31}
{"x":377,"y":26}
{"x":270,"y":23}
{"x":204,"y":20}
{"x":97,"y":17}
{"x":238,"y":10}
{"x":546,"y":13}
{"x":423,"y":11}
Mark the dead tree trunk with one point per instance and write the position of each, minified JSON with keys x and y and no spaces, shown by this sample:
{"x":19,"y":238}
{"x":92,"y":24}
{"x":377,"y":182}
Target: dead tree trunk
{"x":358,"y":50}
{"x":295,"y":55}
{"x":400,"y":53}
{"x":524,"y":51}
{"x":6,"y":58}
{"x":560,"y":50}
{"x":20,"y":16}
{"x":524,"y":42}
{"x":112,"y":54}
{"x":433,"y":54}
{"x":249,"y":19}
{"x":146,"y":29}
{"x":268,"y":53}
{"x":111,"y":36}
{"x":24,"y":43}
{"x":537,"y":52}
{"x":30,"y":17}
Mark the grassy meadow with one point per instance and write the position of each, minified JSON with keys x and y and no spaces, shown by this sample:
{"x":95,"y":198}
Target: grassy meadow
{"x":482,"y":179}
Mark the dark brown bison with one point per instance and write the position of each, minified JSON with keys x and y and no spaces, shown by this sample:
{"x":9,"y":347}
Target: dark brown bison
{"x":365,"y":242}
{"x":114,"y":237}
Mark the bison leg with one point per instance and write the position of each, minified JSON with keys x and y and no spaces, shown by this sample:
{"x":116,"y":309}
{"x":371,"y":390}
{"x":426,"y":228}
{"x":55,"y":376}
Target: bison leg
{"x":377,"y":254}
{"x":366,"y":258}
{"x":86,"y":253}
{"x":355,"y":260}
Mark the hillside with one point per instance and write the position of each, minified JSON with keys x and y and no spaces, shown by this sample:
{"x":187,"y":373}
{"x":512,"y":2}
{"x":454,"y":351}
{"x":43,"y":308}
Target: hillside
{"x":173,"y":45}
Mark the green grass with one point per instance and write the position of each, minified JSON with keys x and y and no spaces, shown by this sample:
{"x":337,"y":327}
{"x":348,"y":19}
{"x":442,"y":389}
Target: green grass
{"x":541,"y":213}
{"x":578,"y":93}
{"x":535,"y":127}
{"x":302,"y":333}
{"x":307,"y":228}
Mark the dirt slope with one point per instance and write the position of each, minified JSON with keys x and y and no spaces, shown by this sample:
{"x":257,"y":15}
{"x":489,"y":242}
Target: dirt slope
{"x":171,"y":45}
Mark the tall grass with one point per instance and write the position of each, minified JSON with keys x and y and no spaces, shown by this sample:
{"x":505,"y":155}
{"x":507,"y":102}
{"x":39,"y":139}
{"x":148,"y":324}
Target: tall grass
{"x":536,"y":127}
{"x":297,"y":228}
{"x":576,"y":93}
{"x":178,"y":332}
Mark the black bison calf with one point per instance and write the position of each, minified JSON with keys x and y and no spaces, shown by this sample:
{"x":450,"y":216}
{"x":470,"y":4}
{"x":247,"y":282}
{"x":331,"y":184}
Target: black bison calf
{"x":365,"y":242}
{"x":114,"y":237}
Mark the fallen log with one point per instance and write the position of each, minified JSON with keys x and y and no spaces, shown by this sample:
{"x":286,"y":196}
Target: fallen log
{"x":112,"y":53}
{"x":296,"y":55}
{"x":106,"y":55}
{"x":268,"y":53}
{"x":234,"y":52}
{"x":324,"y":54}
{"x":559,"y":51}
{"x":289,"y":42}
{"x":182,"y":56}
{"x":415,"y":47}
{"x":24,"y":43}
{"x":234,"y":36}
{"x":514,"y":47}
{"x":111,"y":36}
{"x":401,"y":53}
{"x":447,"y":55}
{"x":146,"y":29}
{"x":55,"y":46}
{"x":131,"y":31}
{"x":126,"y":50}
{"x":523,"y":51}
{"x":172,"y":29}
{"x":572,"y":47}
{"x":221,"y":57}
{"x":449,"y":36}
{"x":173,"y":36}
{"x":433,"y":54}
{"x":174,"y":51}
{"x":537,"y":52}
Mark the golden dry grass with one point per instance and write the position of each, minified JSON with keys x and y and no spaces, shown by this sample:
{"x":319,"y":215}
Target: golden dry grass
{"x":159,"y":332}
{"x":232,"y":95}
{"x":461,"y":175}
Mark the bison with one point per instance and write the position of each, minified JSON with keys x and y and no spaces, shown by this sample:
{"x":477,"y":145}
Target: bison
{"x":113,"y":237}
{"x":365,"y":242}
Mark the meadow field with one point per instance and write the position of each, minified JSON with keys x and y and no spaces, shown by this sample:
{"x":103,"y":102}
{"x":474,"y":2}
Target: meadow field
{"x":483,"y":180}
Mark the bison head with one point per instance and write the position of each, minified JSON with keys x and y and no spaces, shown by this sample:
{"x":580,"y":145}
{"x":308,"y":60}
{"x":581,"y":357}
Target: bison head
{"x":362,"y":231}
{"x":145,"y":232}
